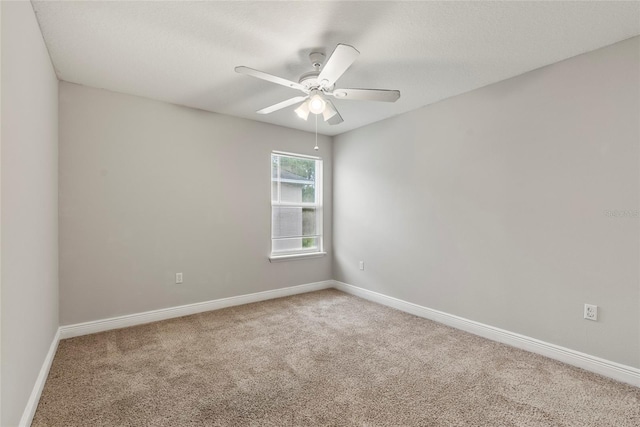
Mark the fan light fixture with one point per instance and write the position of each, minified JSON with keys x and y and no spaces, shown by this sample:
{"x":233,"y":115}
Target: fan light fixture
{"x":316,"y":103}
{"x":303,"y":110}
{"x":329,"y":111}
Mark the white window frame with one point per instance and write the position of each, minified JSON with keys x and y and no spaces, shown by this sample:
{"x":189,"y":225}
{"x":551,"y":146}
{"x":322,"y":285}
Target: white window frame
{"x":318,"y":205}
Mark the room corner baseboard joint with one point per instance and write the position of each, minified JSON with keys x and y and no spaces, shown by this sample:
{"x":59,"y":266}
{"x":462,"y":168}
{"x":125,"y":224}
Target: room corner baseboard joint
{"x":36,"y":392}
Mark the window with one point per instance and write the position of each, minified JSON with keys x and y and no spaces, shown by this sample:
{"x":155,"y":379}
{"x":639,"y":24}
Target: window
{"x":296,"y":205}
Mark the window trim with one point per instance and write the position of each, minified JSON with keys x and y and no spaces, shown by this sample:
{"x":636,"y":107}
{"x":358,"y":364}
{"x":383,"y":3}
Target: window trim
{"x":288,"y":154}
{"x":318,"y":205}
{"x":292,"y":257}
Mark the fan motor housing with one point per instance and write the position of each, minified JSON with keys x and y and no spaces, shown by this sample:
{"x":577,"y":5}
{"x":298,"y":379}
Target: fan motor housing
{"x":310,"y":79}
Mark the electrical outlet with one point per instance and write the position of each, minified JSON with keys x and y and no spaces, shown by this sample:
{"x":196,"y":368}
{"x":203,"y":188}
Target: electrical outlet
{"x":361,"y":265}
{"x":178,"y":277}
{"x":590,"y":312}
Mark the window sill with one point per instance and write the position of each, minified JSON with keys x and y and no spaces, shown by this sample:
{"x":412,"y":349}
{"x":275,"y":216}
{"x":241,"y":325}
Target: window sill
{"x":293,"y":257}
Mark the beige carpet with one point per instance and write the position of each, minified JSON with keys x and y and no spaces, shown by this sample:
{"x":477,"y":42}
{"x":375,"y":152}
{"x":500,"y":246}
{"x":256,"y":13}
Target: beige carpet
{"x":319,"y":359}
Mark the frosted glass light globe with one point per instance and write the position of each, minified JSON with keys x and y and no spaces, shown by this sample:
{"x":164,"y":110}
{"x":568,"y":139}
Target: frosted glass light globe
{"x":316,"y":104}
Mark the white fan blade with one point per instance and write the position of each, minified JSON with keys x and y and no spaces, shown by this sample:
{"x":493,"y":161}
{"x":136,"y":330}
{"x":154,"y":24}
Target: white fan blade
{"x":336,"y":118}
{"x":269,"y":77}
{"x":341,"y":59}
{"x":367,"y":94}
{"x":281,"y":105}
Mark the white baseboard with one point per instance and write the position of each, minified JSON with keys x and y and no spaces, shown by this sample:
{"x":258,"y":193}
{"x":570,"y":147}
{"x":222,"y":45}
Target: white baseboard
{"x":102,"y":325}
{"x":600,"y":366}
{"x":34,"y":398}
{"x":616,"y":371}
{"x":147,"y":317}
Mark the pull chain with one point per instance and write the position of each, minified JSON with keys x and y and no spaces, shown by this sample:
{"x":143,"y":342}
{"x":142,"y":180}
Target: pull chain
{"x":316,"y":147}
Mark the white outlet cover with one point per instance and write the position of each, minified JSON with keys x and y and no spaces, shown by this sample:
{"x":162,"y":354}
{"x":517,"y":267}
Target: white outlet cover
{"x":590,"y":312}
{"x":178,"y":277}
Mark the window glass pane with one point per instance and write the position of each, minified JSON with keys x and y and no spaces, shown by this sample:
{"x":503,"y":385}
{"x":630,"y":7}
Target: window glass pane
{"x":274,"y":178}
{"x":297,"y":180}
{"x":310,"y":243}
{"x":290,"y":221}
{"x":309,"y":193}
{"x":300,"y":244}
{"x":287,"y":245}
{"x":309,"y":221}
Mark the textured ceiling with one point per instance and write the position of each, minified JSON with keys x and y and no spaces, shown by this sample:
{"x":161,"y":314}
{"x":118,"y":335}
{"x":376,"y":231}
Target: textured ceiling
{"x":185,"y":52}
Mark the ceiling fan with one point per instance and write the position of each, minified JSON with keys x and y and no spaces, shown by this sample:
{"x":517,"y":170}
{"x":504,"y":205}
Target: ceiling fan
{"x":318,"y":85}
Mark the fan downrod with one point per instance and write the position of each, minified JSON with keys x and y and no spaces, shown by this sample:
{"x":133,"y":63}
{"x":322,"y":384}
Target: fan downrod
{"x":317,"y":59}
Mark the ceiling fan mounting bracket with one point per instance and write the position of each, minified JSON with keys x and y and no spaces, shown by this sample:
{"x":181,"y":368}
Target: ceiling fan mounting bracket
{"x":317,"y":59}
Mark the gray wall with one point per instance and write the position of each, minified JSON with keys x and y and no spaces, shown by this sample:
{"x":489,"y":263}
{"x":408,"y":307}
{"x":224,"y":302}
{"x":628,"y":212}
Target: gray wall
{"x":148,"y":189}
{"x":491,"y":205}
{"x":29,"y":244}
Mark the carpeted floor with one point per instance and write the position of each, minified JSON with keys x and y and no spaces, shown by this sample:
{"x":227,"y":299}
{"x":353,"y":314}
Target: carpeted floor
{"x":319,"y":359}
